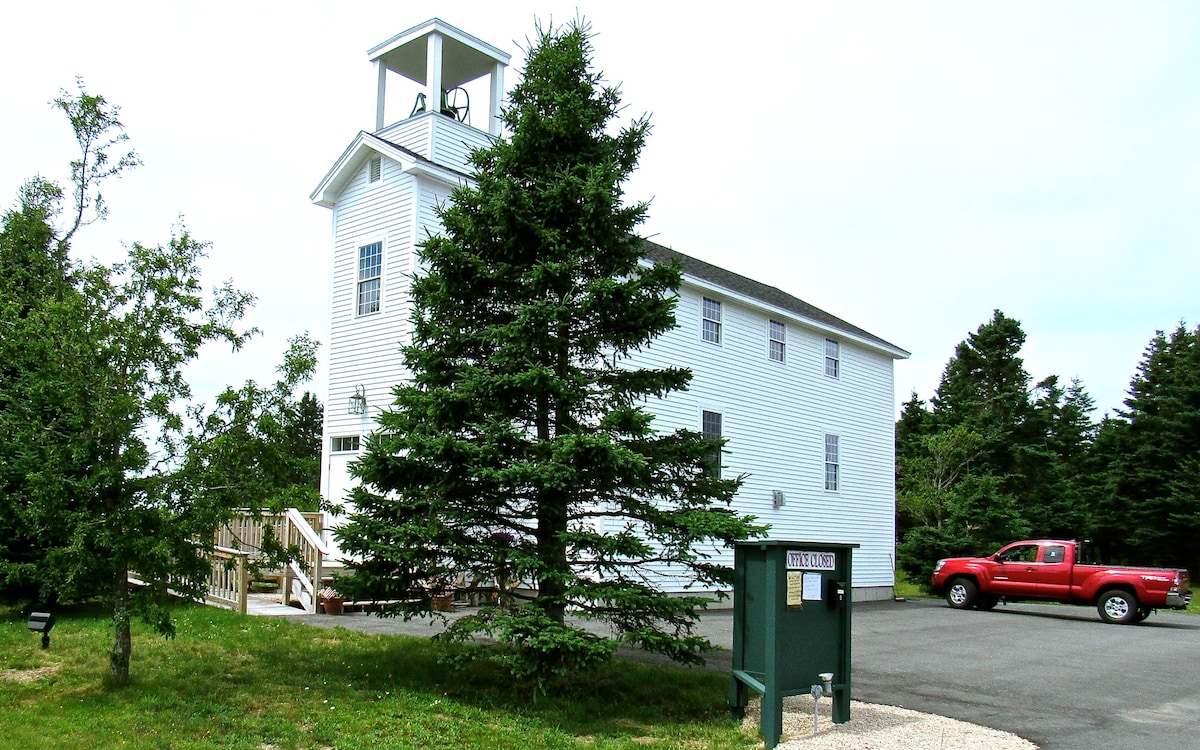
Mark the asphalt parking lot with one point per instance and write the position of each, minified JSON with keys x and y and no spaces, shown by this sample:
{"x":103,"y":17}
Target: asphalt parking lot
{"x":1055,"y":675}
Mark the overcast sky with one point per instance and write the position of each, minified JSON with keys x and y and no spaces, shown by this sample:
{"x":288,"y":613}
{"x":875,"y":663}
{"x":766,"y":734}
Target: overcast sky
{"x":908,"y":167}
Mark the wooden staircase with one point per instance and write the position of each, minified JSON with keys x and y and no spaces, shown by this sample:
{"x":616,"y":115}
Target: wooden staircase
{"x":238,"y":547}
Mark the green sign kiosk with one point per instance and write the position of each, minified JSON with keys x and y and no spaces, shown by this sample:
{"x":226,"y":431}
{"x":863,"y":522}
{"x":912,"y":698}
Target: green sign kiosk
{"x":791,"y":626}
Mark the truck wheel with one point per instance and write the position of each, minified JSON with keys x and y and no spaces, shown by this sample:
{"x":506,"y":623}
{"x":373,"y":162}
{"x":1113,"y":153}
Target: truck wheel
{"x":986,"y":601}
{"x":1118,"y":606}
{"x":962,"y":593}
{"x":1143,"y":613}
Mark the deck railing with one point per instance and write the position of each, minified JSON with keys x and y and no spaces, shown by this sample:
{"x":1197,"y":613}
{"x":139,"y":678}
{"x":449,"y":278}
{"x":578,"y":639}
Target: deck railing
{"x":238,"y":546}
{"x":229,"y":581}
{"x":303,"y":576}
{"x":246,"y":531}
{"x":297,"y":531}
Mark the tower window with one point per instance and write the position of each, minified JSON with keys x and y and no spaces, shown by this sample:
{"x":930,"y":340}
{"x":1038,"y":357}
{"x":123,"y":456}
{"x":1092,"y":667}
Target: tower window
{"x":345,"y":443}
{"x":370,"y":277}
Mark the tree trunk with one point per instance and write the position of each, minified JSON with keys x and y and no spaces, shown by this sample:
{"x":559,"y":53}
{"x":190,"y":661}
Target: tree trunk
{"x":552,"y":554}
{"x":123,"y":644}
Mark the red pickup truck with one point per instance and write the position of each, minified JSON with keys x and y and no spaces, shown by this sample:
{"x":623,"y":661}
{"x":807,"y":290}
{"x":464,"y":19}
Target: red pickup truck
{"x":1052,"y":570}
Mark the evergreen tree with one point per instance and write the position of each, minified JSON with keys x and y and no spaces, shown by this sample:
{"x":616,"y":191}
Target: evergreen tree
{"x":1049,"y":472}
{"x":521,"y":453}
{"x":993,"y":459}
{"x":1150,"y":514}
{"x":986,"y":388}
{"x":1108,"y":512}
{"x":41,"y":316}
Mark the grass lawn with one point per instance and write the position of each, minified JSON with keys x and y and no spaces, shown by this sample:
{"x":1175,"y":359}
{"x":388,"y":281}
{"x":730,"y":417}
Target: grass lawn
{"x":270,"y":684}
{"x":908,"y":589}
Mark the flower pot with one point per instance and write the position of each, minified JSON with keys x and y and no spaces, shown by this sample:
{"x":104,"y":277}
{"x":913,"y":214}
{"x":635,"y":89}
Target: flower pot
{"x":333,"y":605}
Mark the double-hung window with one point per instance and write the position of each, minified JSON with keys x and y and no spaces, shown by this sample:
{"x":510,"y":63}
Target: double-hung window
{"x":710,"y":428}
{"x":776,"y":340}
{"x":370,"y":277}
{"x":832,"y":478}
{"x":832,"y":358}
{"x":711,"y":321}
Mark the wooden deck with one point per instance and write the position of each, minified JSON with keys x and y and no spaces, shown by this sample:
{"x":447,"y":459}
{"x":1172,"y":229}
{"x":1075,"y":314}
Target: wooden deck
{"x":267,"y":605}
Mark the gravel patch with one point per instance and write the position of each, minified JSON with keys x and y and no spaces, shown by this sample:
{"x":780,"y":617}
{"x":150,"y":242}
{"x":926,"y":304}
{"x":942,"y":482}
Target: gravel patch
{"x":27,"y":675}
{"x":875,"y":727}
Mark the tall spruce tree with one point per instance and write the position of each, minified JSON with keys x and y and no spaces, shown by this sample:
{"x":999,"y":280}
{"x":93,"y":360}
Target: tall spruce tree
{"x":986,"y":388}
{"x":41,"y":314}
{"x":520,"y":452}
{"x":1151,"y":512}
{"x":1049,"y":471}
{"x":993,"y":459}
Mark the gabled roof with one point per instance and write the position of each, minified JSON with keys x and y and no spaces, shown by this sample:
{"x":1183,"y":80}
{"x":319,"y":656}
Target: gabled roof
{"x":363,"y":147}
{"x":366,"y":145}
{"x":766,"y":295}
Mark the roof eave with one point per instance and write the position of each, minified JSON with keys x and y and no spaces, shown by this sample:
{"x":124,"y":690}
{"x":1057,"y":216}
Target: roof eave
{"x":352,"y":159}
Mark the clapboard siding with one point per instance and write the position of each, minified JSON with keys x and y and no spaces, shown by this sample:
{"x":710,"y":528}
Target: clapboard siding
{"x":453,"y":143}
{"x":365,"y":350}
{"x":413,"y":134}
{"x":438,"y":138}
{"x":776,"y":415}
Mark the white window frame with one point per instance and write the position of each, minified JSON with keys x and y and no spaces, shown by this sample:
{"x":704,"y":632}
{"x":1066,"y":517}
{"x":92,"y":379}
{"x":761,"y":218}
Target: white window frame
{"x":710,"y":320}
{"x":339,"y":443}
{"x":833,"y":359}
{"x":368,"y":290}
{"x":833,"y":464}
{"x":776,"y":341}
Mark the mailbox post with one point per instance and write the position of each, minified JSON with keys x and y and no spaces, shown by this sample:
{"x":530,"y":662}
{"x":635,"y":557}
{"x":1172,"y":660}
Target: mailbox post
{"x":791,"y":622}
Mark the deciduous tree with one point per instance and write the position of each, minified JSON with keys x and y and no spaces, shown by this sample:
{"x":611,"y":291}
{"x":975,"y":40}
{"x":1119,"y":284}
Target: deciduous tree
{"x":261,"y":446}
{"x":91,"y":410}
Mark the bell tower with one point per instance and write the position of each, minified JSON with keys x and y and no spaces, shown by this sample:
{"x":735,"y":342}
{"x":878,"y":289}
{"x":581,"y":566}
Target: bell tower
{"x":443,"y":61}
{"x":438,"y":98}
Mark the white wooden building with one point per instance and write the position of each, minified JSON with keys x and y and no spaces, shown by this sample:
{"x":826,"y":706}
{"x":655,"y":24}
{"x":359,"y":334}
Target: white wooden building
{"x":805,"y":399}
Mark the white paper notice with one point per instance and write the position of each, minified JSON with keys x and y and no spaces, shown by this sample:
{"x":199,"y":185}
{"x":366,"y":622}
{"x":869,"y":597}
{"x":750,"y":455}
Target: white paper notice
{"x":812,"y":586}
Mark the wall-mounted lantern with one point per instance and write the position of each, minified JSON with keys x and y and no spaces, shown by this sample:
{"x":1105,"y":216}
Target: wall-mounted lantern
{"x":358,"y":402}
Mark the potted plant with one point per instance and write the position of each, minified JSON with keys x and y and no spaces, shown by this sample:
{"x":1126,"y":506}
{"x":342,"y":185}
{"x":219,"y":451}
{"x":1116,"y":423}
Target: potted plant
{"x":332,"y":601}
{"x":443,"y":601}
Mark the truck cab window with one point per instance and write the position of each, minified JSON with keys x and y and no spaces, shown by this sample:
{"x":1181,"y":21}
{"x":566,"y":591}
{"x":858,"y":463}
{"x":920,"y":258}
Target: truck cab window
{"x":1054,"y":554}
{"x":1024,"y":553}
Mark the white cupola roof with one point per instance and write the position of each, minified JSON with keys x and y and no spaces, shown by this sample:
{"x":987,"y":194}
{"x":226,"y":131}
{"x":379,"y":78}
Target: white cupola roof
{"x":440,"y":58}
